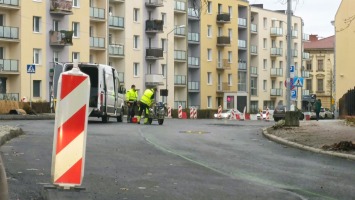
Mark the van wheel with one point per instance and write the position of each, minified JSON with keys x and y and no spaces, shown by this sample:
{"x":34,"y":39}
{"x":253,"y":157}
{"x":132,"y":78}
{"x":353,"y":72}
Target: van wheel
{"x":104,"y":118}
{"x":160,"y":121}
{"x":120,"y":118}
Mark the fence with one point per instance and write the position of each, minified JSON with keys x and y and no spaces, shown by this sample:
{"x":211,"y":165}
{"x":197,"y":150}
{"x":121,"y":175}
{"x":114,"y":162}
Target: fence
{"x":347,"y":104}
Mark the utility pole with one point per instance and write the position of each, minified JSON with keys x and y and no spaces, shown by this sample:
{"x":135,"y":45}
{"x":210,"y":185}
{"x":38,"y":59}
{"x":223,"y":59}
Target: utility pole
{"x":289,"y":54}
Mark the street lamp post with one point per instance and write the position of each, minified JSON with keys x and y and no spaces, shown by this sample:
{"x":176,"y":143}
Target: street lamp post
{"x":289,"y":54}
{"x":167,"y":54}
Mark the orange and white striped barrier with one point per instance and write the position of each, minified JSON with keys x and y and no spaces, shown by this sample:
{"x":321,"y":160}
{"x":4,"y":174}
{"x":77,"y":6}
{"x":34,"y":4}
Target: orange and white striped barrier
{"x":219,"y":112}
{"x":70,"y":128}
{"x":267,"y":118}
{"x":195,"y":113}
{"x":169,"y":112}
{"x":232,"y":117}
{"x":191,"y":113}
{"x":180,"y":112}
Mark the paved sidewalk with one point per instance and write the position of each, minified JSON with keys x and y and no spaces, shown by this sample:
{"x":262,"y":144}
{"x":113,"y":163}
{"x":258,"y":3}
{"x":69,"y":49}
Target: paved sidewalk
{"x":315,"y":136}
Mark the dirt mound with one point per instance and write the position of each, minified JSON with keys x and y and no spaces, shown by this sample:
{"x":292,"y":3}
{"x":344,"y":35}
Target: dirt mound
{"x":341,"y":146}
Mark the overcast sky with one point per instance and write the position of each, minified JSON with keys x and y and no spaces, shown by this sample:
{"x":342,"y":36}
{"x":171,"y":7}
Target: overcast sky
{"x":316,"y":14}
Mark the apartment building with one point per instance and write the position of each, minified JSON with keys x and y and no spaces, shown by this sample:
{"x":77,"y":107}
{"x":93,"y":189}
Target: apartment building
{"x":268,"y":57}
{"x":344,"y":44}
{"x":318,"y":69}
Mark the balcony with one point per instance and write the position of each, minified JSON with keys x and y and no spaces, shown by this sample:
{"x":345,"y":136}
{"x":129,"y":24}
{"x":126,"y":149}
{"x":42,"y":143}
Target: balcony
{"x":61,"y":38}
{"x":223,"y":87}
{"x":154,"y":26}
{"x":276,"y":32}
{"x":154,"y":54}
{"x":97,"y":42}
{"x":179,"y":56}
{"x":305,"y":56}
{"x":154,"y":3}
{"x":294,"y":34}
{"x":154,"y":79}
{"x":223,"y":41}
{"x":253,"y":71}
{"x":193,"y":86}
{"x":223,"y":64}
{"x":254,"y":50}
{"x":116,"y":51}
{"x":274,"y":92}
{"x":193,"y":38}
{"x":180,"y":31}
{"x":97,"y":14}
{"x":242,"y":65}
{"x":193,"y":14}
{"x":10,"y":4}
{"x":276,"y":72}
{"x":305,"y":92}
{"x":8,"y":33}
{"x":254,"y":28}
{"x":305,"y":37}
{"x":120,"y":77}
{"x":61,"y":7}
{"x":242,"y":23}
{"x":193,"y":62}
{"x":9,"y":66}
{"x":180,"y":80}
{"x":305,"y":74}
{"x":223,"y":18}
{"x":9,"y":96}
{"x":294,"y":53}
{"x":116,"y":22}
{"x":242,"y":44}
{"x":275,"y":52}
{"x":180,"y":7}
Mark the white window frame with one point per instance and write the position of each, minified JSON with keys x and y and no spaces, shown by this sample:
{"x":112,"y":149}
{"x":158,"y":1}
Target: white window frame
{"x":76,"y":29}
{"x":230,"y":11}
{"x":264,"y":85}
{"x":209,"y":54}
{"x":209,"y":31}
{"x":55,"y":56}
{"x":230,"y":34}
{"x":264,"y":43}
{"x":264,"y":64}
{"x":76,"y":3}
{"x":136,"y":42}
{"x":230,"y":56}
{"x":230,"y":80}
{"x":76,"y":55}
{"x":265,"y":23}
{"x":209,"y":101}
{"x":37,"y":56}
{"x":163,"y":70}
{"x":136,"y":15}
{"x":135,"y":69}
{"x":55,"y":25}
{"x":163,"y":18}
{"x":37,"y":24}
{"x":163,"y":44}
{"x":209,"y":7}
{"x":209,"y":78}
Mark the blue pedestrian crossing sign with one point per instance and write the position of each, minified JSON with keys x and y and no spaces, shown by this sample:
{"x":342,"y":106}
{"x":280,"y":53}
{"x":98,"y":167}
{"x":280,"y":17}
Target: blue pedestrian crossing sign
{"x":298,"y":81}
{"x":31,"y":69}
{"x":293,"y":95}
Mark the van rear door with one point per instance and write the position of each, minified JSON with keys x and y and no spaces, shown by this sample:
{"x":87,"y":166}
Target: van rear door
{"x":110,"y":90}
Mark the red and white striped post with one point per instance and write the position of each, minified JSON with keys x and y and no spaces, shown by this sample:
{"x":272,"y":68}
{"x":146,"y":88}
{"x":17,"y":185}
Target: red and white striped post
{"x":169,"y":112}
{"x":232,"y":116}
{"x":70,"y":128}
{"x":267,"y":118}
{"x":195,"y":113}
{"x":191,"y":113}
{"x":219,"y":111}
{"x":180,"y":112}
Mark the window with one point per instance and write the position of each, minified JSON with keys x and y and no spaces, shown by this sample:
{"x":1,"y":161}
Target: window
{"x":2,"y":53}
{"x":76,"y":3}
{"x":230,"y":79}
{"x":209,"y":78}
{"x":254,"y":108}
{"x":76,"y":56}
{"x":36,"y":24}
{"x":273,"y":63}
{"x":135,"y":14}
{"x":264,"y":64}
{"x":265,"y":22}
{"x":55,"y":25}
{"x":220,"y":31}
{"x":230,"y":56}
{"x":135,"y":41}
{"x":163,"y":43}
{"x":264,"y":43}
{"x":320,"y":85}
{"x":55,"y":56}
{"x":230,"y":34}
{"x":209,"y":102}
{"x":163,"y":70}
{"x":264,"y":85}
{"x":309,"y":65}
{"x":320,"y":65}
{"x":76,"y":29}
{"x":135,"y":69}
{"x":163,"y":18}
{"x":36,"y":88}
{"x":281,"y":64}
{"x":209,"y":54}
{"x":242,"y":81}
{"x":230,"y":10}
{"x":209,"y":7}
{"x":37,"y":57}
{"x":309,"y":85}
{"x":209,"y":31}
{"x":253,"y":86}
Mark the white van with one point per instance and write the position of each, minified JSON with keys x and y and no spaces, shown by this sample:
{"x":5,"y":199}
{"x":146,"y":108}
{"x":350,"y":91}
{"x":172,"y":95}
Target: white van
{"x":106,"y":95}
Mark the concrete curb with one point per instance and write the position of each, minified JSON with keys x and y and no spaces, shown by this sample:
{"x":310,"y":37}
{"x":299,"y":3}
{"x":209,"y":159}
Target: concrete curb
{"x":27,"y":117}
{"x":304,"y":147}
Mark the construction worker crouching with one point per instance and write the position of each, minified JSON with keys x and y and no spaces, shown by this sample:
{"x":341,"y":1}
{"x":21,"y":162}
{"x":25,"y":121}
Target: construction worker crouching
{"x":145,"y":102}
{"x":131,"y":100}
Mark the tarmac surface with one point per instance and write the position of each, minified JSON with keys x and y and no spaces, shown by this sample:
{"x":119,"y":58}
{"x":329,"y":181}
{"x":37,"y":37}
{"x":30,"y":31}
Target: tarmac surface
{"x":310,"y":136}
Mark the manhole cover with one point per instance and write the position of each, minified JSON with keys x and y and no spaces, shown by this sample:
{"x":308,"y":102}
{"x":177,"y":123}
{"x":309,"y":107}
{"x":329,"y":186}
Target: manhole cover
{"x":194,"y":132}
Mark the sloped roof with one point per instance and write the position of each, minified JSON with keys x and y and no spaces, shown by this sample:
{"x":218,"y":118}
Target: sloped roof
{"x":325,"y":43}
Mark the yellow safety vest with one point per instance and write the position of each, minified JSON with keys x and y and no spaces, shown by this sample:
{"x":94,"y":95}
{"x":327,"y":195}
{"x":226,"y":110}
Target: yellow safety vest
{"x":131,"y":95}
{"x":147,"y":97}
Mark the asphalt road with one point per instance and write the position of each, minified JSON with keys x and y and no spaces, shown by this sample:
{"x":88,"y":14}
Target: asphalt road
{"x":182,"y":159}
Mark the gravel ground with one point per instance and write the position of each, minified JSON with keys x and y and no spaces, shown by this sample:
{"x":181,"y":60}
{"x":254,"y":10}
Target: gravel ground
{"x":318,"y":133}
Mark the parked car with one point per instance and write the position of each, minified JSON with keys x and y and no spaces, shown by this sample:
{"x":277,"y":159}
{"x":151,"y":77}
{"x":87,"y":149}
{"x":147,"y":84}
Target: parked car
{"x":279,"y":113}
{"x":325,"y":113}
{"x":226,"y":114}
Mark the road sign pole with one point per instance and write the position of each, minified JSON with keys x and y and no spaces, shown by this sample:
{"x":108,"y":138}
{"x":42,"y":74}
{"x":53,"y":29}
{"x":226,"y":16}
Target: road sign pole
{"x":31,"y":90}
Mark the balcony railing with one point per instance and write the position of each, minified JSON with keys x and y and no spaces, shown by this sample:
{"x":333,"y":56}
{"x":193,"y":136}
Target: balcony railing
{"x":193,"y":62}
{"x":223,"y":87}
{"x":276,"y":92}
{"x":193,"y":37}
{"x":294,"y":34}
{"x":116,"y":22}
{"x":180,"y":55}
{"x":242,"y":66}
{"x":223,"y":41}
{"x":9,"y":96}
{"x":276,"y":51}
{"x":154,"y":3}
{"x":154,"y":79}
{"x":63,"y":7}
{"x":275,"y":31}
{"x":180,"y":80}
{"x":179,"y":31}
{"x":223,"y":18}
{"x":97,"y":13}
{"x":305,"y":74}
{"x":223,"y":64}
{"x":276,"y":72}
{"x":9,"y":3}
{"x":8,"y":65}
{"x":254,"y":28}
{"x":254,"y":49}
{"x":116,"y":50}
{"x":154,"y":53}
{"x":97,"y":42}
{"x":180,"y":6}
{"x":193,"y":86}
{"x":61,"y":38}
{"x":254,"y":71}
{"x":154,"y":26}
{"x":193,"y":13}
{"x":242,"y":44}
{"x":305,"y":92}
{"x":305,"y":56}
{"x":121,"y":77}
{"x":242,"y":22}
{"x":8,"y":32}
